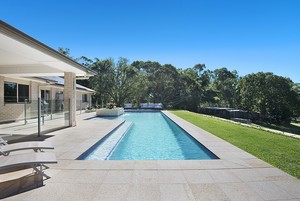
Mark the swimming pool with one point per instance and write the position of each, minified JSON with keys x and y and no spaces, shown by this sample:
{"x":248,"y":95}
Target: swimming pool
{"x":150,"y":136}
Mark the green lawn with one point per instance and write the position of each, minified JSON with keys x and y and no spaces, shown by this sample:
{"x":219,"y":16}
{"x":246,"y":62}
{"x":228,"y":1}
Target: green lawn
{"x":280,"y":151}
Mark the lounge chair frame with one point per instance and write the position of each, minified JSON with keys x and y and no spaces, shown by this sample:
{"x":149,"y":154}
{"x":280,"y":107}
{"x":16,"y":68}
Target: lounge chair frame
{"x":36,"y":161}
{"x":34,"y":145}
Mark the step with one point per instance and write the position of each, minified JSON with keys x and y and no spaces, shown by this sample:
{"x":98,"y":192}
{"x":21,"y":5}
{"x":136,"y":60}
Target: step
{"x":106,"y":147}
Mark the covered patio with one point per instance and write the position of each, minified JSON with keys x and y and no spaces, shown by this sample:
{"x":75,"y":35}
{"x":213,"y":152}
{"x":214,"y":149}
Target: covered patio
{"x":23,"y":60}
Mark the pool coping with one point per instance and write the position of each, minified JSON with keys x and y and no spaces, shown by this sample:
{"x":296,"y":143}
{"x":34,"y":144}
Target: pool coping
{"x":219,"y":147}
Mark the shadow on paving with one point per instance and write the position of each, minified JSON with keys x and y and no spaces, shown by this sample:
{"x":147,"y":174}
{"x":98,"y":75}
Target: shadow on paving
{"x":24,"y":138}
{"x":20,"y":185}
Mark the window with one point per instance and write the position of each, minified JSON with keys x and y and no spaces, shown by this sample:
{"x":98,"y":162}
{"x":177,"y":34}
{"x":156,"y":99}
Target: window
{"x":23,"y":92}
{"x":45,"y":95}
{"x":14,"y":92}
{"x":10,"y":92}
{"x":84,"y":98}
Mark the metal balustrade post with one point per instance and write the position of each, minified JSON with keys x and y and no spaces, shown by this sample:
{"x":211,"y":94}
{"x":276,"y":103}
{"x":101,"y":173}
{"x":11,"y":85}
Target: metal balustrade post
{"x":51,"y":108}
{"x":25,"y":111}
{"x":70,"y":123}
{"x":80,"y":106}
{"x":39,"y":117}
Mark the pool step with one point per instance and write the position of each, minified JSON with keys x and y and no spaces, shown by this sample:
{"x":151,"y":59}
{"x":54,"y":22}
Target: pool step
{"x":109,"y":144}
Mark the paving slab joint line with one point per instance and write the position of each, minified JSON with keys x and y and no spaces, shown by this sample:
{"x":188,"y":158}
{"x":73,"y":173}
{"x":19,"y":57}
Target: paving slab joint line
{"x":155,"y":169}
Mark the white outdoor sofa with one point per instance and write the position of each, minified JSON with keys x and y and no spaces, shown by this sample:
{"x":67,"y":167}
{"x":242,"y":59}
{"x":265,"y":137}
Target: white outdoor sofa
{"x":157,"y":106}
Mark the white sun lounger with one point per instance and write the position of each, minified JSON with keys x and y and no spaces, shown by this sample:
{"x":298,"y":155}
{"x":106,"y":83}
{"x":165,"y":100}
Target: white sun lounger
{"x":36,"y":160}
{"x":36,"y":146}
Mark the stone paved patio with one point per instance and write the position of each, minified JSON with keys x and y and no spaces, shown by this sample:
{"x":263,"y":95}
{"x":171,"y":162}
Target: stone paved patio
{"x":237,"y":175}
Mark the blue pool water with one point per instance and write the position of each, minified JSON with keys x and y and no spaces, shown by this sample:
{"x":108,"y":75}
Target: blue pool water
{"x":151,"y":136}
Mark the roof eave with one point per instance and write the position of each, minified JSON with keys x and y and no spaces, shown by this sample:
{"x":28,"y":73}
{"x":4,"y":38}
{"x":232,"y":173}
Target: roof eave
{"x":24,"y":38}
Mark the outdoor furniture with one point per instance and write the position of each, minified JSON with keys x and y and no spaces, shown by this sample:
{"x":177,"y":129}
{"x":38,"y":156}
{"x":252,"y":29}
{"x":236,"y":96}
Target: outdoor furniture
{"x":5,"y":149}
{"x":35,"y":160}
{"x":157,"y":105}
{"x":128,"y":106}
{"x":151,"y":106}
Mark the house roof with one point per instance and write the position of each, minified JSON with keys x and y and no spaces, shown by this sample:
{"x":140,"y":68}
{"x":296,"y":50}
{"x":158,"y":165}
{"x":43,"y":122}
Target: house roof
{"x":22,"y":55}
{"x":60,"y":81}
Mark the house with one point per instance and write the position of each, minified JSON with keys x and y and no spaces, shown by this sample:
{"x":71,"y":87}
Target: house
{"x":55,"y":92}
{"x":32,"y":71}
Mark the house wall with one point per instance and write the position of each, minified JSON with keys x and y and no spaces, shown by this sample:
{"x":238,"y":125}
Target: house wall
{"x":79,"y":103}
{"x":15,"y":111}
{"x":57,"y":94}
{"x":1,"y":93}
{"x":55,"y":99}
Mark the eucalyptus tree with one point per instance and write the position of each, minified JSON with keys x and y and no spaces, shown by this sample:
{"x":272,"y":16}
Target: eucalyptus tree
{"x":65,"y":51}
{"x":160,"y":81}
{"x":102,"y":82}
{"x":225,"y":84}
{"x":164,"y":85}
{"x":147,"y":71}
{"x":192,"y":89}
{"x":86,"y":62}
{"x":124,"y":79}
{"x":148,"y":67}
{"x":196,"y":82}
{"x":271,"y":95}
{"x":140,"y":89}
{"x":296,"y":104}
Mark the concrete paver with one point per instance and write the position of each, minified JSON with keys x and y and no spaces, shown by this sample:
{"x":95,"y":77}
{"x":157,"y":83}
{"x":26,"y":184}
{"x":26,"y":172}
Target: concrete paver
{"x":208,"y":192}
{"x":145,"y":192}
{"x":170,"y":192}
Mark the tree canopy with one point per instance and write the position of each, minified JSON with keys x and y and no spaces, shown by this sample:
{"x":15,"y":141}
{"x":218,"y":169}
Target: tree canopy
{"x":271,"y":95}
{"x":274,"y":97}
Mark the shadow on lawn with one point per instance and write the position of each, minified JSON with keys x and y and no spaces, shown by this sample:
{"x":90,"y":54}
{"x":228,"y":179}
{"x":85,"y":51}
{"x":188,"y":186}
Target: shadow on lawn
{"x":289,"y":128}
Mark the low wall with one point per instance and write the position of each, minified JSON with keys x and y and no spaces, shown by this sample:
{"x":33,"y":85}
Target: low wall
{"x":109,"y":112}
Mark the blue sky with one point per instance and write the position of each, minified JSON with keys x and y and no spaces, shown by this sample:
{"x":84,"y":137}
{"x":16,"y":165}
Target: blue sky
{"x":244,"y":35}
